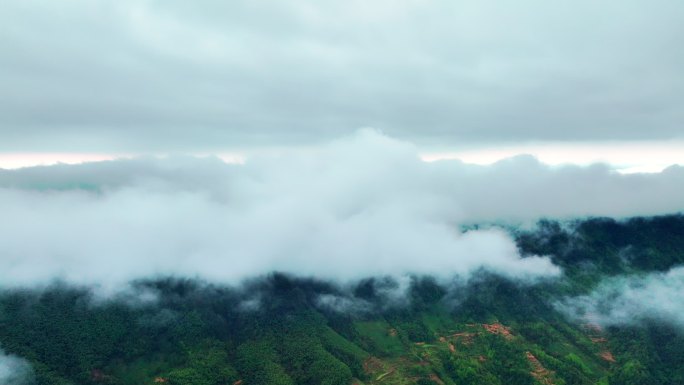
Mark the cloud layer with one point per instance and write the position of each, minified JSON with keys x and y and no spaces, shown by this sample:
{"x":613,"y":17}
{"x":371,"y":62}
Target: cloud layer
{"x":360,"y":206}
{"x":631,"y":300}
{"x":138,"y":76}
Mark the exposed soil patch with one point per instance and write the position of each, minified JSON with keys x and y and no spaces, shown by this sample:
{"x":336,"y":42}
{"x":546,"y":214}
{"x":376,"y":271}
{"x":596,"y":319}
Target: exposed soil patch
{"x":593,"y":328}
{"x":607,"y":355}
{"x":372,"y":365}
{"x":435,"y":378}
{"x":595,"y":332}
{"x":592,"y":324}
{"x":497,"y":328}
{"x":538,"y":370}
{"x":98,"y":375}
{"x":464,"y":337}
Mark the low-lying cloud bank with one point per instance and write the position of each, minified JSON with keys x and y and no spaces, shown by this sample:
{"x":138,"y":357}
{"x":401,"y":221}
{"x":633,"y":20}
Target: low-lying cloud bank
{"x":14,"y":370}
{"x":360,"y":206}
{"x":631,"y":300}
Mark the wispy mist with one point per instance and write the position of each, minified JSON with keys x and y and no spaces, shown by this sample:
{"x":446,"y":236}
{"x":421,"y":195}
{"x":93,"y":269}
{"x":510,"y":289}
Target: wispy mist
{"x":14,"y":370}
{"x":629,"y":300}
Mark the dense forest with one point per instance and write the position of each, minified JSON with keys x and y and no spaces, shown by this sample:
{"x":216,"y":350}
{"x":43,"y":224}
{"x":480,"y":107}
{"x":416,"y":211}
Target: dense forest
{"x":279,"y":329}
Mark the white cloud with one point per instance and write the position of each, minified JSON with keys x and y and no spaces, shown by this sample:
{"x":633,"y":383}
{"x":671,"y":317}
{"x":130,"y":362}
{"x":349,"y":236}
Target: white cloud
{"x":342,"y":304}
{"x":14,"y":370}
{"x":631,"y":300}
{"x":361,"y":206}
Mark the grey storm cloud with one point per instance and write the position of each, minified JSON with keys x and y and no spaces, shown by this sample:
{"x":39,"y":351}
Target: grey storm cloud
{"x":363,"y":205}
{"x":124,"y":75}
{"x":631,"y":300}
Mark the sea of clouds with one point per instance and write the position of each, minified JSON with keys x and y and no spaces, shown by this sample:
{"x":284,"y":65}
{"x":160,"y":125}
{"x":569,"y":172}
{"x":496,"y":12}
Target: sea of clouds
{"x":360,"y":206}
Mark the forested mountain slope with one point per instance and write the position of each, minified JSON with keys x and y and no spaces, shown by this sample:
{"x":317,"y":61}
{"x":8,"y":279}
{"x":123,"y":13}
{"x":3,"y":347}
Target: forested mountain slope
{"x":280,"y":329}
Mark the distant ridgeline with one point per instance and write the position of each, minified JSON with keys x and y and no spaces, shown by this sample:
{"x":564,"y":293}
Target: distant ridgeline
{"x":646,"y":244}
{"x":287,"y":330}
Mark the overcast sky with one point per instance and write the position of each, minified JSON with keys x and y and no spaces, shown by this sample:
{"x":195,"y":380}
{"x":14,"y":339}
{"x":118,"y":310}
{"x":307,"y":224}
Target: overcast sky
{"x":175,"y":76}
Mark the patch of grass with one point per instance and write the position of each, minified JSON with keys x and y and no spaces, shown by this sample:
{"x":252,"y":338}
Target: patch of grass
{"x":380,"y":336}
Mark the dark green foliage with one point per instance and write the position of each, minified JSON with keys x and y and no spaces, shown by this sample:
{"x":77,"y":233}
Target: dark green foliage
{"x":425,"y":291}
{"x":259,"y":363}
{"x":208,"y":364}
{"x":425,"y":381}
{"x":309,"y":363}
{"x":611,"y":246}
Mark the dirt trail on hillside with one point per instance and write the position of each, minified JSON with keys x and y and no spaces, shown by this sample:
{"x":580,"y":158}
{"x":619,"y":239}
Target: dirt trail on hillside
{"x":595,"y":333}
{"x":435,"y":378}
{"x":539,"y":371}
{"x":382,"y":376}
{"x":464,"y":337}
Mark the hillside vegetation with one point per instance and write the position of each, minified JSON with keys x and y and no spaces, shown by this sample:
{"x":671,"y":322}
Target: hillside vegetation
{"x":285,"y":330}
